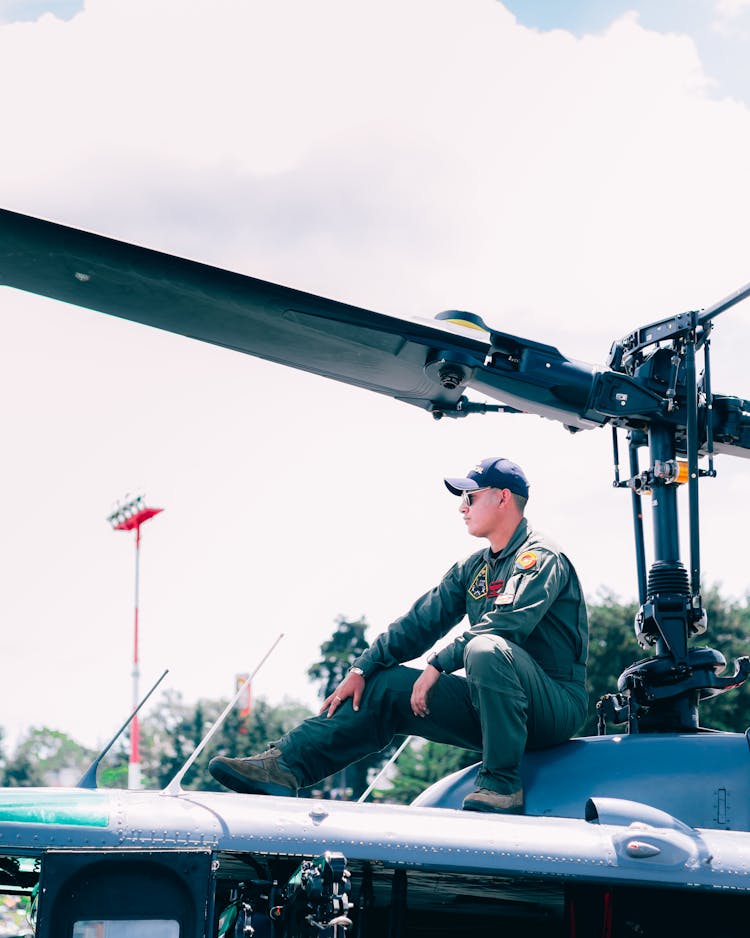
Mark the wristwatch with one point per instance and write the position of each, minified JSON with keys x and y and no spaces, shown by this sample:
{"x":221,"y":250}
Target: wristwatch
{"x":435,"y":663}
{"x":358,"y":671}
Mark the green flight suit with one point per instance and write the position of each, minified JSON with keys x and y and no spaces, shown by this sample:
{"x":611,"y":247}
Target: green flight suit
{"x":524,"y":655}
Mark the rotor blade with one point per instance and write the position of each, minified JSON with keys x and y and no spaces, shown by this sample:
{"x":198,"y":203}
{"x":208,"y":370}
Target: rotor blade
{"x":363,"y":348}
{"x":428,"y":365}
{"x":423,"y":364}
{"x":721,"y":305}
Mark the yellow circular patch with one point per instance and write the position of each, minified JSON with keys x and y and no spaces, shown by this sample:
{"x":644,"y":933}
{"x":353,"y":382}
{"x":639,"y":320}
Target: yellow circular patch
{"x":527,"y":560}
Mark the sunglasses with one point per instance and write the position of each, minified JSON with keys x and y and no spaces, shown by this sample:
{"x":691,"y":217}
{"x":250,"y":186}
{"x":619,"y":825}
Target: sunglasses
{"x":467,"y":499}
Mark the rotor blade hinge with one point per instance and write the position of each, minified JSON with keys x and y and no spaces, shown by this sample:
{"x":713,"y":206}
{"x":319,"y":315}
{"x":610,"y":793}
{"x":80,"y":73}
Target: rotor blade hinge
{"x":620,"y":396}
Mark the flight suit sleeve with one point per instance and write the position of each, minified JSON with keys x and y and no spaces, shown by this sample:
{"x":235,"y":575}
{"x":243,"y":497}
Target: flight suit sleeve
{"x":409,"y":636}
{"x":520,"y":607}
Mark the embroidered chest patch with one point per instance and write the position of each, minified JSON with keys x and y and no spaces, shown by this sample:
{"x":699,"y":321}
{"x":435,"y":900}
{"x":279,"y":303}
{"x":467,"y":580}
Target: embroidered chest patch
{"x":527,"y":560}
{"x":478,"y":587}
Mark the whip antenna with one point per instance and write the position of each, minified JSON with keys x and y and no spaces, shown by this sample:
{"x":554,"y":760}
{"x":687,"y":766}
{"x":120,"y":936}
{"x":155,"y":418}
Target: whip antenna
{"x":174,"y":787}
{"x":88,"y":779}
{"x":389,"y":763}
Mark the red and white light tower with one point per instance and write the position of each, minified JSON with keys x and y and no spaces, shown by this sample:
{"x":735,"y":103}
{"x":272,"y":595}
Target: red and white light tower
{"x":129,"y":515}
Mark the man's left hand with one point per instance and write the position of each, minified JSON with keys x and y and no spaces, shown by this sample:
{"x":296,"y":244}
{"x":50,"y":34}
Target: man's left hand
{"x":420,"y":693}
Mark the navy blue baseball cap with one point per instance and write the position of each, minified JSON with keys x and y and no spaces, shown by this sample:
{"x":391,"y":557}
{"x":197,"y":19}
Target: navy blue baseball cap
{"x":494,"y":472}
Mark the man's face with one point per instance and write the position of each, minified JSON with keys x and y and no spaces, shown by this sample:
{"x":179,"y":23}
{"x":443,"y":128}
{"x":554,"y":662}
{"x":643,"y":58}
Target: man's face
{"x":482,"y":510}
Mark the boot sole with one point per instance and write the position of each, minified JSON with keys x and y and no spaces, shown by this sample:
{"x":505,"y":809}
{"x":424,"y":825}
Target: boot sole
{"x":488,"y":809}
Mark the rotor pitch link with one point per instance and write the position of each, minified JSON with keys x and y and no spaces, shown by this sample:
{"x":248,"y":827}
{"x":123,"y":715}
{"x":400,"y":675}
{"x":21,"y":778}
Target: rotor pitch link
{"x":464,"y":407}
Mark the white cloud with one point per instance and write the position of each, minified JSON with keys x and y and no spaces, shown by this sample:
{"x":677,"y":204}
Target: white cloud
{"x":732,"y":18}
{"x":406,"y":156}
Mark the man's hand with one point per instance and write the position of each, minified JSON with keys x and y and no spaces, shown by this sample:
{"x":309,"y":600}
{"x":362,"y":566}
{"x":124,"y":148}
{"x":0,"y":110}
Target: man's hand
{"x":420,"y":693}
{"x":352,"y":686}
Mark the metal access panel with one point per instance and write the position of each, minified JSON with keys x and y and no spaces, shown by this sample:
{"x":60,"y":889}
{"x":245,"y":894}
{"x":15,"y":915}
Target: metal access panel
{"x":143,"y":894}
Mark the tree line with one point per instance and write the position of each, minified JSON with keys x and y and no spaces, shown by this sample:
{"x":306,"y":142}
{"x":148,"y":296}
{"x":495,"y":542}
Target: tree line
{"x":173,"y":728}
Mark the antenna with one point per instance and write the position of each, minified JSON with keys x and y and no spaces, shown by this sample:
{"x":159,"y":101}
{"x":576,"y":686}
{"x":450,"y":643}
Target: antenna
{"x":389,"y":763}
{"x":174,"y":787}
{"x":88,"y":779}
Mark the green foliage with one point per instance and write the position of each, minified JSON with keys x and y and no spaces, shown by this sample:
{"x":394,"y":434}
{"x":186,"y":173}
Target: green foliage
{"x":173,"y":729}
{"x":169,"y":734}
{"x":14,"y":915}
{"x":338,"y":654}
{"x":613,"y":647}
{"x":113,"y":769}
{"x":420,"y":765}
{"x":46,"y":757}
{"x":728,"y":632}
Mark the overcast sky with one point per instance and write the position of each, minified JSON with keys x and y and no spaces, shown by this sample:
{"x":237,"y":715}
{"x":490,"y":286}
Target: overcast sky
{"x":569,"y":171}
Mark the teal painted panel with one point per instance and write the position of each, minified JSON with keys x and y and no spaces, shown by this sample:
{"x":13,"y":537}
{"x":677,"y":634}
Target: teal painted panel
{"x":33,"y":806}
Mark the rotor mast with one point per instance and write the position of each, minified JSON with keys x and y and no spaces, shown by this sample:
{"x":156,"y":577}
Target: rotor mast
{"x":662,"y":693}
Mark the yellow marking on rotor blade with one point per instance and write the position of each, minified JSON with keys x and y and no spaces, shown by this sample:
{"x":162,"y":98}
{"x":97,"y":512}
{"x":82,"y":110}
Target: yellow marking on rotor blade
{"x":467,"y":323}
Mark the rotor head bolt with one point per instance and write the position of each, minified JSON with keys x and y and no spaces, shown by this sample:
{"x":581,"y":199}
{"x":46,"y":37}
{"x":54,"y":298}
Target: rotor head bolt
{"x":450,"y":377}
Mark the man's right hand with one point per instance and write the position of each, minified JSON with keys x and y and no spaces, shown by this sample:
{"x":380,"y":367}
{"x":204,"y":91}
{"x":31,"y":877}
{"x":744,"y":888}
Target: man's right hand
{"x":352,"y":686}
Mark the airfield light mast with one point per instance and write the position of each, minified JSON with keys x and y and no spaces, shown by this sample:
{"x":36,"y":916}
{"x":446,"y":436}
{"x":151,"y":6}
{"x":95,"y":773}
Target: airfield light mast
{"x":129,"y":515}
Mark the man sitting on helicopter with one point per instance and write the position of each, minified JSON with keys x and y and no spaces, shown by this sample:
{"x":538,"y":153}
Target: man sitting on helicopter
{"x":524,"y":655}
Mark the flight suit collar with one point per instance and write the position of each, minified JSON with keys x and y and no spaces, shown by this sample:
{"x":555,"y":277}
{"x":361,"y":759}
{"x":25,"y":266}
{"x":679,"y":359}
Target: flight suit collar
{"x":518,"y":537}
